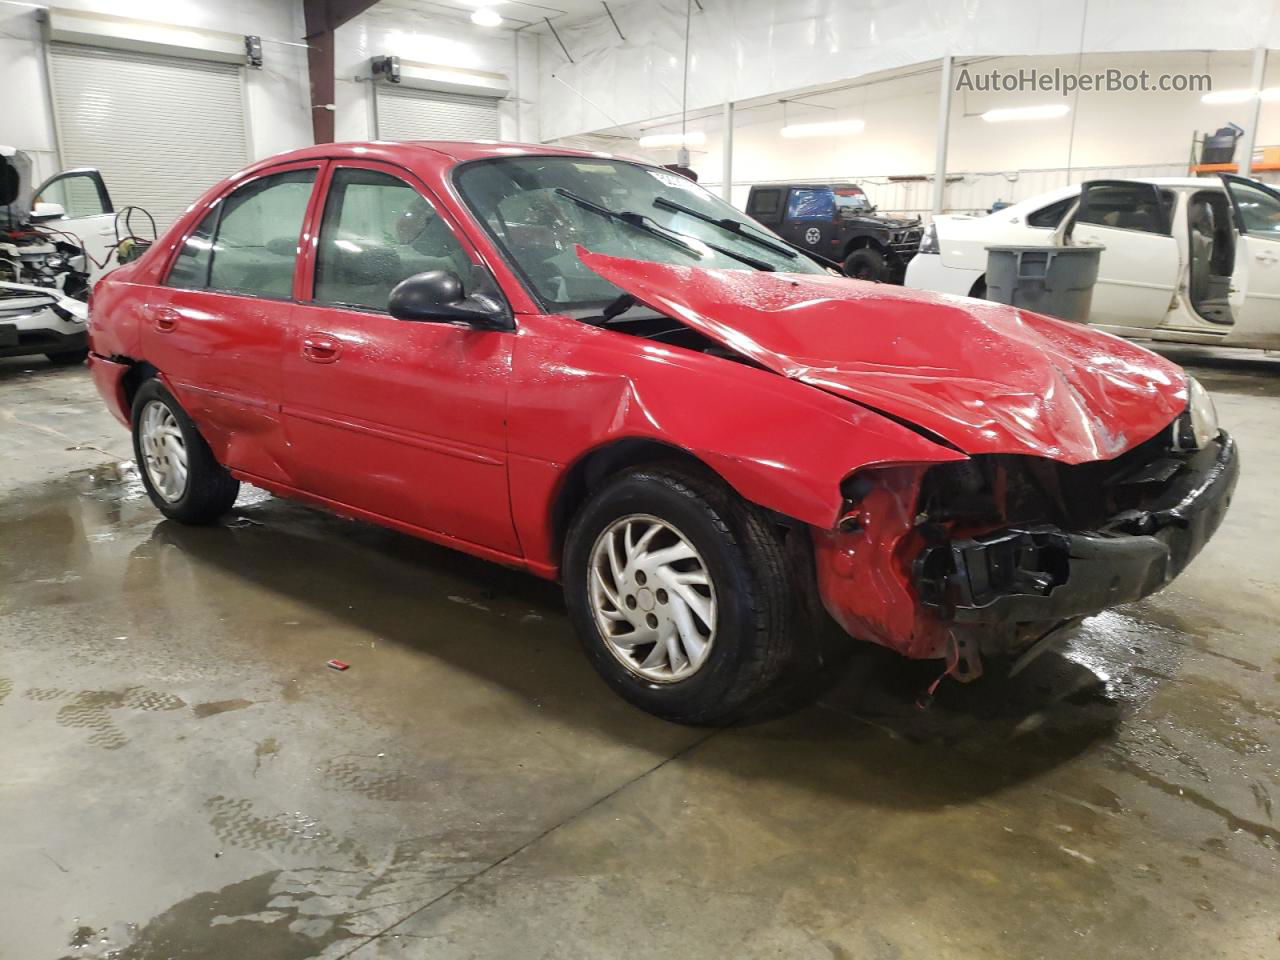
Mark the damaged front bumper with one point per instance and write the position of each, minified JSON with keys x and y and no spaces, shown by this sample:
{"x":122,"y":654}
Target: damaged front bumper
{"x":1044,"y":573}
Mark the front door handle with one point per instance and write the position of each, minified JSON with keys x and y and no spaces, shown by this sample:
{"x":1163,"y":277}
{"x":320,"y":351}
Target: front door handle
{"x":321,"y":348}
{"x":166,"y":319}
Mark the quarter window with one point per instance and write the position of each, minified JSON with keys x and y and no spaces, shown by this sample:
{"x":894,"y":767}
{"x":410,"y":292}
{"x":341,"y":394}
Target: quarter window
{"x":1051,"y":215}
{"x":764,"y":203}
{"x":377,"y":230}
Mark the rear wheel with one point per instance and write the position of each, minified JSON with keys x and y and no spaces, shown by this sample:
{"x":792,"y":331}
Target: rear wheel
{"x":178,"y":469}
{"x":682,"y":597}
{"x":866,"y":264}
{"x":69,"y":359}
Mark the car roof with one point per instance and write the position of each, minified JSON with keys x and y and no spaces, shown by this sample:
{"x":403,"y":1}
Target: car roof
{"x":457,"y":150}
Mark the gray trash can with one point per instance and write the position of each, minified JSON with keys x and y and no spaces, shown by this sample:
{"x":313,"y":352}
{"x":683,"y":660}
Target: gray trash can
{"x":1054,"y":280}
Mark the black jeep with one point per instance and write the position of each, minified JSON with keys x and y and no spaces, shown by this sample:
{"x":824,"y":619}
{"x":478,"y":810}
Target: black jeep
{"x":837,"y":221}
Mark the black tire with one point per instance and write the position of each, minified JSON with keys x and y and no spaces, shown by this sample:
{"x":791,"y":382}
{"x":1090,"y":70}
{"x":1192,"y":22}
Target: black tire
{"x":210,"y":490}
{"x":69,"y":359}
{"x":866,"y":264}
{"x":760,"y":633}
{"x":979,"y":289}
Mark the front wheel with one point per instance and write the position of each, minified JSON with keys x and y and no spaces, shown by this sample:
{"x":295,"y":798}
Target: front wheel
{"x":681,"y":595}
{"x":178,"y":469}
{"x":866,"y":264}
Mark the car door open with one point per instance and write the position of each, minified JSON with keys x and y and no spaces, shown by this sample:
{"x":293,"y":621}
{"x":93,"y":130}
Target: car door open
{"x":1140,"y":267}
{"x":77,"y":201}
{"x":1255,"y":289}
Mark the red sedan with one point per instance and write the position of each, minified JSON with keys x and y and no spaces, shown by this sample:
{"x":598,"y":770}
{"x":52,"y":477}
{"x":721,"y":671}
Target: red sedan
{"x":594,"y":370}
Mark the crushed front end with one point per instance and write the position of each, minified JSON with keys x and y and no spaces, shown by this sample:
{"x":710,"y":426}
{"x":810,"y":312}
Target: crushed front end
{"x":987,"y":555}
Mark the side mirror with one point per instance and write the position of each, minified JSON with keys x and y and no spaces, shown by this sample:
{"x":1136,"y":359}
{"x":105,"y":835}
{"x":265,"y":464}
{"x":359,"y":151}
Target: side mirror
{"x":436,"y":296}
{"x":47,"y":211}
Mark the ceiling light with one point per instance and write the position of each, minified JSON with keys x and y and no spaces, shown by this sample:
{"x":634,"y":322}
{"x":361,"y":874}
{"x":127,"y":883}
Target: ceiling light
{"x":825,"y":128}
{"x":1240,"y":96}
{"x":1229,"y":96}
{"x":1026,"y":113}
{"x":486,"y":17}
{"x":691,"y":139}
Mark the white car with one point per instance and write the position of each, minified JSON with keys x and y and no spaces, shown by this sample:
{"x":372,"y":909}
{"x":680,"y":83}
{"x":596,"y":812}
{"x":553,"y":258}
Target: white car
{"x":1195,"y":260}
{"x":44,"y":273}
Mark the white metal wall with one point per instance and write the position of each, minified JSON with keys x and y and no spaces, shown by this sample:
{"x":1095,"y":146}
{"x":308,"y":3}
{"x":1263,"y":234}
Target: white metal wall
{"x":161,"y":129}
{"x":408,"y":114}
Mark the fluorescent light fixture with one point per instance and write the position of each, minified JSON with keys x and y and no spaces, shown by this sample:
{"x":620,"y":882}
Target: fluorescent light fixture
{"x":1241,"y":95}
{"x":486,"y":17}
{"x":825,"y":128}
{"x":692,"y":139}
{"x":1046,"y":112}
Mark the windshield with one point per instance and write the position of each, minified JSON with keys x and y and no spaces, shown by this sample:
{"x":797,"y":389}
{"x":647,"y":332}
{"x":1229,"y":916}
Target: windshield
{"x":534,"y":208}
{"x":851,"y":201}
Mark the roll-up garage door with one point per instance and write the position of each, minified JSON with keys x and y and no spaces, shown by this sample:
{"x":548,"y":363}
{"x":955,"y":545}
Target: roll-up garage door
{"x":161,"y":129}
{"x":408,"y":114}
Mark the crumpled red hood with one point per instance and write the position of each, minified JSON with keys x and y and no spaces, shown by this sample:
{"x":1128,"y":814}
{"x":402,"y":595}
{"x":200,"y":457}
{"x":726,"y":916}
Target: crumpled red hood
{"x":985,"y":377}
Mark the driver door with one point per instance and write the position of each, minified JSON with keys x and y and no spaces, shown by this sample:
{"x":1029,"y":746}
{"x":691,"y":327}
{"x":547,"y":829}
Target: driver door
{"x":403,"y":420}
{"x":1139,"y":270}
{"x":810,"y":218}
{"x":87,"y":213}
{"x":1255,"y":288}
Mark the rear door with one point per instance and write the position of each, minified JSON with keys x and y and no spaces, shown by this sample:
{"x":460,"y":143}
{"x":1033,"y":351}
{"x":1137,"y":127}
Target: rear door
{"x":1255,"y":288}
{"x":88,"y":213}
{"x":218,"y":326}
{"x":1141,"y":265}
{"x":810,"y":218}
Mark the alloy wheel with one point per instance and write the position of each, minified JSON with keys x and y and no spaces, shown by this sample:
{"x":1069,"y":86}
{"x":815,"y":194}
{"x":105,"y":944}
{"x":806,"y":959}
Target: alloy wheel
{"x":164,"y":451}
{"x":652,"y":597}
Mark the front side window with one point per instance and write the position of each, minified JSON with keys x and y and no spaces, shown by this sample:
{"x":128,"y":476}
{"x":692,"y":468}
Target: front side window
{"x":1126,"y":206}
{"x":80,"y":194}
{"x":540,"y":208}
{"x":808,"y":204}
{"x":1259,"y":209}
{"x":377,"y":230}
{"x":255,"y":245}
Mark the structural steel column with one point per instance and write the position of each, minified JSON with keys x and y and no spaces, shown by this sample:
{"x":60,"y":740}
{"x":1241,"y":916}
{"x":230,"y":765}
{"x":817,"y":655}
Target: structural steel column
{"x":944,"y":129}
{"x":726,"y":158}
{"x":1258,"y":77}
{"x":323,"y":17}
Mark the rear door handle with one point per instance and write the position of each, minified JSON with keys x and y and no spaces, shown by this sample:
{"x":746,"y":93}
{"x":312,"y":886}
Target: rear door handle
{"x":321,"y":348}
{"x":166,"y":319}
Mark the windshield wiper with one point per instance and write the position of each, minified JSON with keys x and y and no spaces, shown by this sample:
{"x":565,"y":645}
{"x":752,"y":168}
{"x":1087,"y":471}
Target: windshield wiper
{"x":640,"y":222}
{"x":727,"y":224}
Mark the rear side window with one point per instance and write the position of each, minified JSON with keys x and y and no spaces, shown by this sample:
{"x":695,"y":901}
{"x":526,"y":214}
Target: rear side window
{"x":765,"y":202}
{"x":378,"y":230}
{"x":1127,"y":206}
{"x":248,"y":243}
{"x":1051,"y":215}
{"x":811,"y":204}
{"x":256,"y":245}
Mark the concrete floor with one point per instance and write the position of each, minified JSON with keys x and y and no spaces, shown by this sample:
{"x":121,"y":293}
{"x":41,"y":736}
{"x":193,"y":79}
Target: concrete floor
{"x":183,"y":777}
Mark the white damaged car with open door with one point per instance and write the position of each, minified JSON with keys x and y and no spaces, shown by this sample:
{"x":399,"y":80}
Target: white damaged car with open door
{"x":1191,"y":260}
{"x":54,"y":242}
